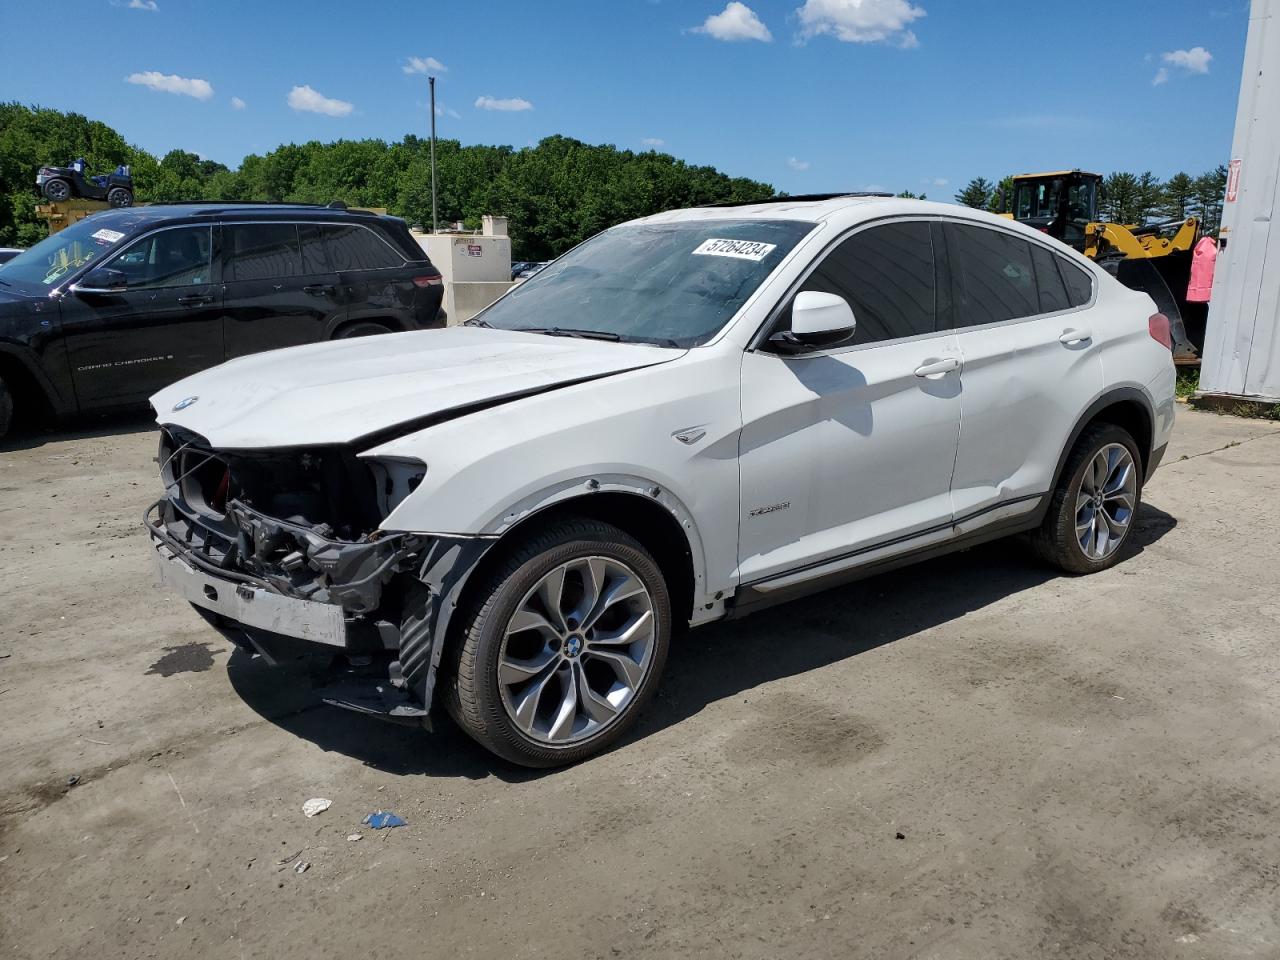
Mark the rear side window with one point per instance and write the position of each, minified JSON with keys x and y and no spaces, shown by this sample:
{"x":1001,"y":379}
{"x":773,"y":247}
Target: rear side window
{"x":260,"y":251}
{"x":1053,"y":293}
{"x":994,"y":280}
{"x":1079,"y":284}
{"x":889,"y":277}
{"x":358,"y":248}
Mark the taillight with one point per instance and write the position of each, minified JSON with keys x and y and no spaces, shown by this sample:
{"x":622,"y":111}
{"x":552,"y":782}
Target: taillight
{"x":1158,"y":326}
{"x":428,"y":281}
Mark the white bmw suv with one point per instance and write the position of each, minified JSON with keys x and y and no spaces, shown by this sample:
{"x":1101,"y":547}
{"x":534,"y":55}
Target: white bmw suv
{"x":684,"y":419}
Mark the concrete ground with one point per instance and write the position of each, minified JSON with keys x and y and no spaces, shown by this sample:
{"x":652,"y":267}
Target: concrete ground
{"x":973,"y":758}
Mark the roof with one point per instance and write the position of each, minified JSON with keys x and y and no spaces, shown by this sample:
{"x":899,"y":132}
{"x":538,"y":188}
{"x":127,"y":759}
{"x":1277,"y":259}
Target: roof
{"x":224,"y":208}
{"x":1054,"y":173}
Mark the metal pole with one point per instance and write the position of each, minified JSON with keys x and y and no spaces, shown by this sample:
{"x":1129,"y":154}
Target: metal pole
{"x":435,"y":225}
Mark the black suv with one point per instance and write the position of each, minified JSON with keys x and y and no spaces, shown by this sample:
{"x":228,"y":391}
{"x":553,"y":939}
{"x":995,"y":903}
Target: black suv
{"x":111,"y":309}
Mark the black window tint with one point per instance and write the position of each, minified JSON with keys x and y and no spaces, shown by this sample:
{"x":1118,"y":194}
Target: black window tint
{"x":313,"y":256}
{"x":1079,"y":284}
{"x":358,"y":248}
{"x":1053,"y":294}
{"x":887,"y":273}
{"x":993,"y":275}
{"x":260,"y":251}
{"x":170,"y":258}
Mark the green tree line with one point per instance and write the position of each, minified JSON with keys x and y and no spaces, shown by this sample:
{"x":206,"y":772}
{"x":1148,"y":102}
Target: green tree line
{"x":1134,"y":198}
{"x":555,"y":194}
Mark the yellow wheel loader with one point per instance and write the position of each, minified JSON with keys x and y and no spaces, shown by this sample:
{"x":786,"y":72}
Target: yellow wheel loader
{"x":1154,"y":258}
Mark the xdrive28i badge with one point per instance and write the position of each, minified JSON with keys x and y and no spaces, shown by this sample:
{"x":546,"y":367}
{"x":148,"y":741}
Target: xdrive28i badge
{"x":184,"y":403}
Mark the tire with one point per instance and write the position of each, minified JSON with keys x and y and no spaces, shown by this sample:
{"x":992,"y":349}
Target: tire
{"x":57,"y":191}
{"x":120,"y":197}
{"x":497,"y":666}
{"x":1086,"y":527}
{"x":6,"y":409}
{"x":361,"y":328}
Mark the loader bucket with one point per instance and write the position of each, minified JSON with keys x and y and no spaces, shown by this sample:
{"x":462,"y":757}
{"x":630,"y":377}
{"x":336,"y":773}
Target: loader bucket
{"x":1164,"y":280}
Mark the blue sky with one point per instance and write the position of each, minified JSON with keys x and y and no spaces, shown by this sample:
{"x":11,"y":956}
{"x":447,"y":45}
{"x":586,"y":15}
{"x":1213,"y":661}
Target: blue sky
{"x":809,"y":95}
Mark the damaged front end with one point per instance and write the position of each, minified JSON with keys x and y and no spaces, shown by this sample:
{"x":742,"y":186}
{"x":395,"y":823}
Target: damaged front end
{"x":281,"y":550}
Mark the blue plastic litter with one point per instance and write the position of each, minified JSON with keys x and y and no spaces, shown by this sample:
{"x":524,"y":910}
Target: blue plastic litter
{"x":380,"y":819}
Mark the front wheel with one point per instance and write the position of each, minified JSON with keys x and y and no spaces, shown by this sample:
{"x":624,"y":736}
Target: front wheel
{"x":57,"y":191}
{"x":119,"y":197}
{"x":1093,"y":508}
{"x":6,"y":409}
{"x":562,"y":645}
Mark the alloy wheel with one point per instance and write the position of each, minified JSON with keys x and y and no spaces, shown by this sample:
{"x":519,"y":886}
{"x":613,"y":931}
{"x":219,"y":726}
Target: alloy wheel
{"x":1105,"y":501}
{"x":577,"y":650}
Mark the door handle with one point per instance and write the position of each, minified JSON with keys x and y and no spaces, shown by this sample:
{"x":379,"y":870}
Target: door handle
{"x":1072,"y":335}
{"x":936,"y":368}
{"x":319,"y":290}
{"x":194,"y":301}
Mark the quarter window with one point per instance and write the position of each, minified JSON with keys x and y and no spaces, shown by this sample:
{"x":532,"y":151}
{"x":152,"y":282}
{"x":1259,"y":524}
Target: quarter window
{"x":179,"y":257}
{"x":261,"y":251}
{"x":888,"y":274}
{"x":1053,"y":292}
{"x":994,"y":279}
{"x":358,"y":248}
{"x":1079,"y":284}
{"x":313,"y":256}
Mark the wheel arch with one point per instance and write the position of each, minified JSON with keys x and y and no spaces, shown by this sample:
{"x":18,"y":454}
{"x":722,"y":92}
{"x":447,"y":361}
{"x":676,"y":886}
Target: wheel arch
{"x":27,"y":382}
{"x":336,"y":327}
{"x":1127,"y":406}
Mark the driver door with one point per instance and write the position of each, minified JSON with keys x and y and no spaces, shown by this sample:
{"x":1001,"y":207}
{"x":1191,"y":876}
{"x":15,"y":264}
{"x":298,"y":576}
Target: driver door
{"x":849,"y":450}
{"x":166,"y":324}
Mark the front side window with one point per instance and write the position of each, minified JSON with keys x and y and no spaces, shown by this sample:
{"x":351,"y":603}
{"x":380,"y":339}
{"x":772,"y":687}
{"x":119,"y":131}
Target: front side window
{"x":169,"y":258}
{"x":992,"y":274}
{"x":671,"y":283}
{"x":260,"y":251}
{"x":888,"y":275}
{"x":358,"y":248}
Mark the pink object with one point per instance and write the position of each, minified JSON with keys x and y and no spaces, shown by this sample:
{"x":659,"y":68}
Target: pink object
{"x":1203,"y":258}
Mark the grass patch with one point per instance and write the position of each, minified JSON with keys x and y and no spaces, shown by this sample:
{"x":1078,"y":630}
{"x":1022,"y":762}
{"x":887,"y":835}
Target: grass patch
{"x":1187,"y":384}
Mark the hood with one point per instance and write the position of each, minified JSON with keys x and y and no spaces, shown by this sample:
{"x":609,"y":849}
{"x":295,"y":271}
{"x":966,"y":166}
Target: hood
{"x":340,"y":391}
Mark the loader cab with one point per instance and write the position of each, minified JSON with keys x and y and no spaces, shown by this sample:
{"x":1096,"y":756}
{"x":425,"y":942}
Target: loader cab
{"x":1060,"y":204}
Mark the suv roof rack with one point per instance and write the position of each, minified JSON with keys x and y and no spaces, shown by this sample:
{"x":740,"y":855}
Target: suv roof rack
{"x":223,"y":206}
{"x":801,"y":197}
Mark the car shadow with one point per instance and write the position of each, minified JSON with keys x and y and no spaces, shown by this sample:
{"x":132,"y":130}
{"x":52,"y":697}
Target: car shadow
{"x":704,"y":666}
{"x":35,"y":435}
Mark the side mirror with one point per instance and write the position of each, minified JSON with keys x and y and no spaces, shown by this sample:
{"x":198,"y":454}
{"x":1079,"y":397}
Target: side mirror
{"x":101,"y":280}
{"x":818,"y":321}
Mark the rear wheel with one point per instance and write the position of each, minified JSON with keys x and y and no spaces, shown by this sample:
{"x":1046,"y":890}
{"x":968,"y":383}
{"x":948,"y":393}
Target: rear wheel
{"x":6,"y":408}
{"x":562,"y":646}
{"x":1092,"y":511}
{"x":57,"y":191}
{"x":120,"y":197}
{"x":363,"y":328}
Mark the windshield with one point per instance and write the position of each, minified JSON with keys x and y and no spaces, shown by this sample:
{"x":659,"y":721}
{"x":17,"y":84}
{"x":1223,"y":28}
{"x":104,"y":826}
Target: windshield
{"x":62,"y":253}
{"x":668,"y":283}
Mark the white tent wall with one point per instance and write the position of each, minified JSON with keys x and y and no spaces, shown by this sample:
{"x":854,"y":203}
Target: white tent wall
{"x":1242,"y":338}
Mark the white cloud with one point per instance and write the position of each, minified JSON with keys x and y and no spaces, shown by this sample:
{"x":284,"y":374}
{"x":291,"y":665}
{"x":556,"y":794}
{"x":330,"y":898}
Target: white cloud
{"x":653,"y":142}
{"x":861,"y":21}
{"x":424,"y":65}
{"x":936,"y":181}
{"x":304,"y":99}
{"x":506,"y":104}
{"x":736,"y":21}
{"x":1195,"y":60}
{"x":237,"y":103}
{"x":144,"y":5}
{"x":171,"y":83}
{"x":443,"y":111}
{"x":798,"y":165}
